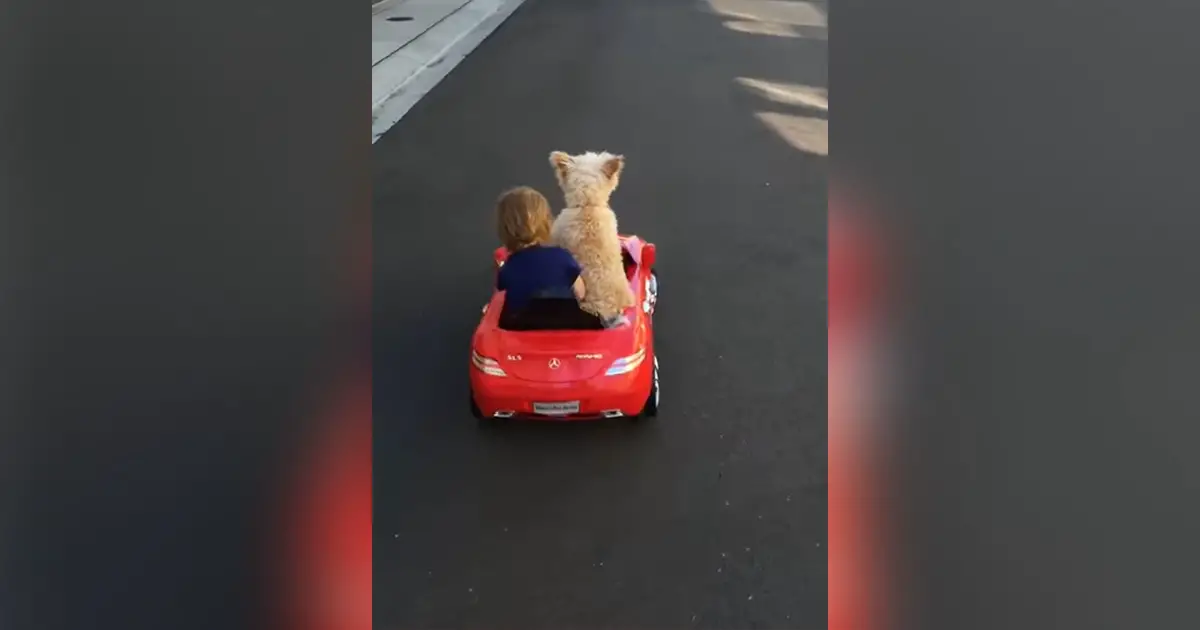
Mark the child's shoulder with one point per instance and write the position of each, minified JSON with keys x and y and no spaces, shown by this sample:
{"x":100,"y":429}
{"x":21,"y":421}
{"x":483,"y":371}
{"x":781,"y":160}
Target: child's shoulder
{"x":557,"y":253}
{"x":540,"y":255}
{"x":544,"y":252}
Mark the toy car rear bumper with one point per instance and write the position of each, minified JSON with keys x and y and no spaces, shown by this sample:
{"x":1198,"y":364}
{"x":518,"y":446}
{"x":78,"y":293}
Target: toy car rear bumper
{"x":598,"y":397}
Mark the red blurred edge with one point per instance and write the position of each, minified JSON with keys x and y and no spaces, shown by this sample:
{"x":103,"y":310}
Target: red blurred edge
{"x":856,"y":596}
{"x":326,"y":581}
{"x":326,"y":578}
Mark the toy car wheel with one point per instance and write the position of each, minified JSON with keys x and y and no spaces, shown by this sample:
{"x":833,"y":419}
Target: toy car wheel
{"x":485,"y":422}
{"x":652,"y":292}
{"x":651,"y":408}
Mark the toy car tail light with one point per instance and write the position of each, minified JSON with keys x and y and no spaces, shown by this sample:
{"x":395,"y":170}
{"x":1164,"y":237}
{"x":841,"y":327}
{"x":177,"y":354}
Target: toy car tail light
{"x":486,"y":365}
{"x":627,"y":364}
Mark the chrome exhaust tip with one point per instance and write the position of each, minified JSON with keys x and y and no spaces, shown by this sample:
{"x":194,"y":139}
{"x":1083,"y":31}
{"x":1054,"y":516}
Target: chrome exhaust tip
{"x":613,"y":413}
{"x":503,"y":414}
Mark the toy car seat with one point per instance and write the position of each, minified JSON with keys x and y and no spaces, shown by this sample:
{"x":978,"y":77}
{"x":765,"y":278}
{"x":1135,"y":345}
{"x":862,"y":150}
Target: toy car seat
{"x":548,"y":313}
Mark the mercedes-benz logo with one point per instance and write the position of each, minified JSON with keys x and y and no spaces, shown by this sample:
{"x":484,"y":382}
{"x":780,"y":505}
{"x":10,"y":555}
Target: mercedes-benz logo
{"x":554,"y":364}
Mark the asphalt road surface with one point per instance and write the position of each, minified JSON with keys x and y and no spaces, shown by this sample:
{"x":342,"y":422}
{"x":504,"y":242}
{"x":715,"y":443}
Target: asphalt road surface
{"x":714,"y":513}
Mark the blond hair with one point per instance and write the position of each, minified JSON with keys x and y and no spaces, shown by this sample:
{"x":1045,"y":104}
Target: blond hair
{"x":523,"y":218}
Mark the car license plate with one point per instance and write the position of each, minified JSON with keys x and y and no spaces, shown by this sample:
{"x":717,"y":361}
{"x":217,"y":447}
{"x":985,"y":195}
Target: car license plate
{"x":556,"y":408}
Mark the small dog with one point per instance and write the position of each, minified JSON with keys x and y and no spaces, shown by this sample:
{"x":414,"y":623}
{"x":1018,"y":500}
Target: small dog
{"x":588,"y":229}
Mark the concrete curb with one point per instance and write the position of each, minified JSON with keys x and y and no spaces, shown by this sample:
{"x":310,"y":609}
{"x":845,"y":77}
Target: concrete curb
{"x":403,"y":77}
{"x":379,"y":5}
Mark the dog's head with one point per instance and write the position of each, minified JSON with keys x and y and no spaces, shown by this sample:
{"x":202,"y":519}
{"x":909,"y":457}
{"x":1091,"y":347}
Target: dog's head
{"x":589,"y":178}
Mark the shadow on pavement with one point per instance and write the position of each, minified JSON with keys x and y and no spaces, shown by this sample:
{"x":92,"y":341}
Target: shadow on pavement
{"x":611,"y":524}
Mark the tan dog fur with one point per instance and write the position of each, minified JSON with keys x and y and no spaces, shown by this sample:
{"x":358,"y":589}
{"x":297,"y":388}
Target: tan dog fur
{"x":588,"y":228}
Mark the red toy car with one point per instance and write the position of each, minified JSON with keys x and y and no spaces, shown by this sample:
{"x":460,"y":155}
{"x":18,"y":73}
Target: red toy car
{"x":553,"y":361}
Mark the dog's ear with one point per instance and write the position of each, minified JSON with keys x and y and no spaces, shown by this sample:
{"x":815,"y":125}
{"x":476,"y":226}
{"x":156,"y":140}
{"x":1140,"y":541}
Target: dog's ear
{"x":613,"y":166}
{"x":561,"y":162}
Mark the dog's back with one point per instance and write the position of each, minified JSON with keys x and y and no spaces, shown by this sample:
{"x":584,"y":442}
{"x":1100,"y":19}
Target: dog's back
{"x":590,"y":234}
{"x":588,"y":228}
